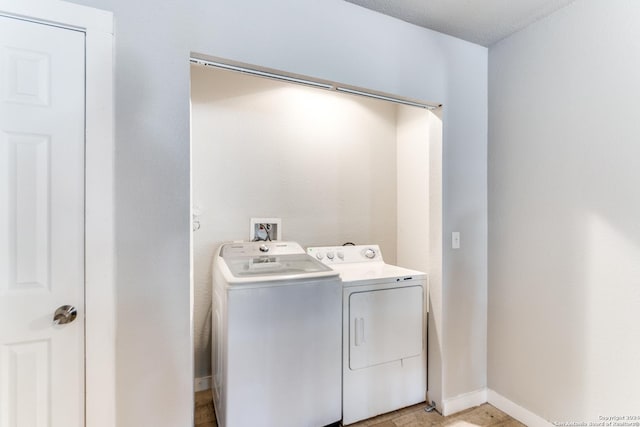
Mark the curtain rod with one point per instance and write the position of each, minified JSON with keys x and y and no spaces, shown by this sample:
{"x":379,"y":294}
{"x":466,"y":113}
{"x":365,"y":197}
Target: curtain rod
{"x":308,"y":82}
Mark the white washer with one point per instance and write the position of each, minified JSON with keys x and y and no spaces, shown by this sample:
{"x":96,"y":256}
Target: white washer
{"x":276,"y":337}
{"x":384,"y":359}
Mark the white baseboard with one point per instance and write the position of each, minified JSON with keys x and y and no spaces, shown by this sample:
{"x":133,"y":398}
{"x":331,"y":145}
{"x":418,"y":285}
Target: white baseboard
{"x":516,"y":411}
{"x":202,"y":383}
{"x":464,"y":401}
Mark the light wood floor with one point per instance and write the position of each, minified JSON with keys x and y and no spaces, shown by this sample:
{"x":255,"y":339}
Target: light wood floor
{"x":205,"y":416}
{"x":413,"y":416}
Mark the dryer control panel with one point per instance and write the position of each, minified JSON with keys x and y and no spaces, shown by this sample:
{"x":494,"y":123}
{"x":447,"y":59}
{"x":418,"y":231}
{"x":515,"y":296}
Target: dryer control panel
{"x":333,"y":255}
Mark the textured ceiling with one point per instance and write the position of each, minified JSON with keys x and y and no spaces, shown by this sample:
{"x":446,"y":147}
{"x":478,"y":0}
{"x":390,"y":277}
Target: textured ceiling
{"x":479,"y":21}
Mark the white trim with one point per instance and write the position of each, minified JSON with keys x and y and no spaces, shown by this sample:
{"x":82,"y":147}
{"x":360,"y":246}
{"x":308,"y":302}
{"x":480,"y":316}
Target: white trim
{"x":100,"y":301}
{"x":100,"y":290}
{"x":516,"y":411}
{"x":464,"y":401}
{"x":60,"y":13}
{"x":202,"y":383}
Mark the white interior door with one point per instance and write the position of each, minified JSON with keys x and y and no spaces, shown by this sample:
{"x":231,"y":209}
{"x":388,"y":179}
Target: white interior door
{"x":42,"y":80}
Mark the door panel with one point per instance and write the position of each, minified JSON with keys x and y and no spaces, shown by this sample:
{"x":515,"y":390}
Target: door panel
{"x":385,"y":325}
{"x":28,"y":383}
{"x":41,"y":224}
{"x":28,"y":211}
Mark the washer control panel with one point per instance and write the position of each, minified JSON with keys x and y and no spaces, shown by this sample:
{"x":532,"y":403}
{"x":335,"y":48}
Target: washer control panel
{"x":249,"y":249}
{"x":331,"y":255}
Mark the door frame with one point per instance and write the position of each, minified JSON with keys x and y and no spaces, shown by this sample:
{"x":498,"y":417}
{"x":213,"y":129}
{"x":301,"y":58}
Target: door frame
{"x":100,"y":293}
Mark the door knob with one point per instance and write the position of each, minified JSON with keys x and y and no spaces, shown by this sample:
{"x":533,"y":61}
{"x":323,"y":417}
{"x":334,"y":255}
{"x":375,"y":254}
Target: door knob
{"x":65,"y":314}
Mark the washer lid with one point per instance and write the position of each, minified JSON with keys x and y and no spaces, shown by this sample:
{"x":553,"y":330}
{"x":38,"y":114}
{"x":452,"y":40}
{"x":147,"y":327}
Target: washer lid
{"x":277,"y":267}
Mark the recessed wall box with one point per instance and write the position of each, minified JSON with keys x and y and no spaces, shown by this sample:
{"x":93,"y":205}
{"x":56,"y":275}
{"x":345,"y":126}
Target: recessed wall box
{"x":265,"y":229}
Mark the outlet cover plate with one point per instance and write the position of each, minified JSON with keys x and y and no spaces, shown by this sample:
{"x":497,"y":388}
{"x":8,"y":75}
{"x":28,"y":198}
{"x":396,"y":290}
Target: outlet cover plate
{"x":455,"y":240}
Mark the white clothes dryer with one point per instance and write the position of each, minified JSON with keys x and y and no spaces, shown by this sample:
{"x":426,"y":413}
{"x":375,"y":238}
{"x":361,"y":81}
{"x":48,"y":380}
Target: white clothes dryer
{"x":384,"y":359}
{"x":276,"y":337}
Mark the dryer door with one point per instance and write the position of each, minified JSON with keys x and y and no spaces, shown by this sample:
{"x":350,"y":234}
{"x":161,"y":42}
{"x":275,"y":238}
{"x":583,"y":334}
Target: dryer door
{"x":385,"y":326}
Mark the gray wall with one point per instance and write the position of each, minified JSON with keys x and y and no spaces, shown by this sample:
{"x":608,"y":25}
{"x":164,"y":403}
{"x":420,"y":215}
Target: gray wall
{"x":564,"y":210}
{"x":328,"y":39}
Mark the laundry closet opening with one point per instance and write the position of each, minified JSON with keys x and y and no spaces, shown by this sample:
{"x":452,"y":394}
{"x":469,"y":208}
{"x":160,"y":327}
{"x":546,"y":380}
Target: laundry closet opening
{"x":335,"y":167}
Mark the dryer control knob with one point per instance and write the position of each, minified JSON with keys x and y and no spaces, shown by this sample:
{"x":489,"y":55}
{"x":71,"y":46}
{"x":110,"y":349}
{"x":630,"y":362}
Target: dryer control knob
{"x":319,"y":255}
{"x":330,"y":255}
{"x":264,"y":248}
{"x":370,"y":253}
